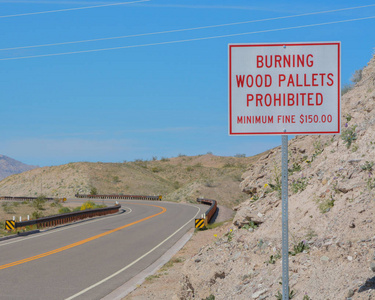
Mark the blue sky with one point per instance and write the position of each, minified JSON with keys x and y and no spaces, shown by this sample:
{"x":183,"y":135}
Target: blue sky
{"x":138,"y":102}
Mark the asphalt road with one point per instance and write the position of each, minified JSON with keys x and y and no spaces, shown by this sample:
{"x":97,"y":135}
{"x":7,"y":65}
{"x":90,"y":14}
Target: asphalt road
{"x":91,"y":259}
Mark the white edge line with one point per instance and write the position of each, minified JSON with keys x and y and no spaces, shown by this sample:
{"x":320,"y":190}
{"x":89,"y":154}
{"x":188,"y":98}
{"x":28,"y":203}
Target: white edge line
{"x":134,"y":262}
{"x":65,"y":228}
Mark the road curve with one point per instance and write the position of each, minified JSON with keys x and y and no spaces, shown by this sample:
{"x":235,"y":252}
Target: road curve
{"x":91,"y":259}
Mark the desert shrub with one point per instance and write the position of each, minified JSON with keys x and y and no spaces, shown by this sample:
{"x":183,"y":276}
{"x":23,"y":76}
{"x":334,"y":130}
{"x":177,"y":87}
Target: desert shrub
{"x":273,"y":259}
{"x":357,"y":76}
{"x":37,"y":214}
{"x":346,"y":88}
{"x":156,"y":169}
{"x":279,"y":295}
{"x":299,"y":185}
{"x":64,"y":210}
{"x":88,"y":205}
{"x":91,"y":205}
{"x":55,"y":203}
{"x":7,"y":208}
{"x":275,"y":185}
{"x":296,"y":168}
{"x":349,"y":135}
{"x":299,"y":248}
{"x":39,"y":202}
{"x":93,"y":191}
{"x":229,"y":165}
{"x":326,"y":205}
{"x":238,"y":155}
{"x":367,"y":166}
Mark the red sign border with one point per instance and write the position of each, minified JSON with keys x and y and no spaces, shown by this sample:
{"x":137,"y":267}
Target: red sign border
{"x":338,"y":44}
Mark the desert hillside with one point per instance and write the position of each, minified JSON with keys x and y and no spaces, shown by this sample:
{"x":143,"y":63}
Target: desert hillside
{"x":331,"y":220}
{"x":331,"y":217}
{"x":181,"y":178}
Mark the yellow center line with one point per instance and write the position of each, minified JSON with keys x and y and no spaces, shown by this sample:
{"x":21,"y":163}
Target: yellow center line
{"x":19,"y":262}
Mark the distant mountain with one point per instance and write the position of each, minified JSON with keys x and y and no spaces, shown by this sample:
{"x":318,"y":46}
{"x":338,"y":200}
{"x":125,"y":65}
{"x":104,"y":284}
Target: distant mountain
{"x":10,"y":166}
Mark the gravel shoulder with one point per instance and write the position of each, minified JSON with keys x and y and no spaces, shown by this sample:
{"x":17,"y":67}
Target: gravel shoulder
{"x":166,"y":282}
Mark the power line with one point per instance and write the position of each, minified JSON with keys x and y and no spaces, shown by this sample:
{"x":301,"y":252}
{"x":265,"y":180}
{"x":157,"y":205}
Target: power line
{"x":189,"y":40}
{"x":69,"y":9}
{"x":185,"y":29}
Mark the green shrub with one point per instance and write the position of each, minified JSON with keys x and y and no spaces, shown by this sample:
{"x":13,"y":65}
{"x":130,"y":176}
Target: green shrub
{"x":250,"y":225}
{"x":93,"y":191}
{"x":299,"y":185}
{"x":326,"y":205}
{"x":155,"y":169}
{"x":37,"y":214}
{"x":296,"y":168}
{"x":64,"y":210}
{"x":367,"y":166}
{"x":299,"y":248}
{"x":349,"y":135}
{"x":39,"y":202}
{"x":273,"y":259}
{"x":279,"y":295}
{"x":348,"y":117}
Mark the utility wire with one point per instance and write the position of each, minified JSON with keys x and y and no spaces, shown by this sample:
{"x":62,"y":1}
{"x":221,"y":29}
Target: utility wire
{"x":190,"y":40}
{"x":186,"y":29}
{"x":69,"y":9}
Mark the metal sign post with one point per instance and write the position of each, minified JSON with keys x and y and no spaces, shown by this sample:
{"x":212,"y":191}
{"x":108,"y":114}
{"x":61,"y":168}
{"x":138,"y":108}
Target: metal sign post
{"x":284,"y":205}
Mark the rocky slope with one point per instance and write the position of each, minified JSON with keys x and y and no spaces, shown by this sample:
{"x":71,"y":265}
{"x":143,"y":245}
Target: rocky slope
{"x":331,"y":218}
{"x":10,"y":166}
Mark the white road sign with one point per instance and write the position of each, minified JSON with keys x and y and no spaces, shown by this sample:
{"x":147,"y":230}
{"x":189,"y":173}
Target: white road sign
{"x":284,"y":88}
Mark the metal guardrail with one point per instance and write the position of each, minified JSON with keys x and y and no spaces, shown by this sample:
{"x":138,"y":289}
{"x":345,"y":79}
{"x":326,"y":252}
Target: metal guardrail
{"x":129,"y":197}
{"x":64,"y":218}
{"x":10,"y":198}
{"x":207,"y":216}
